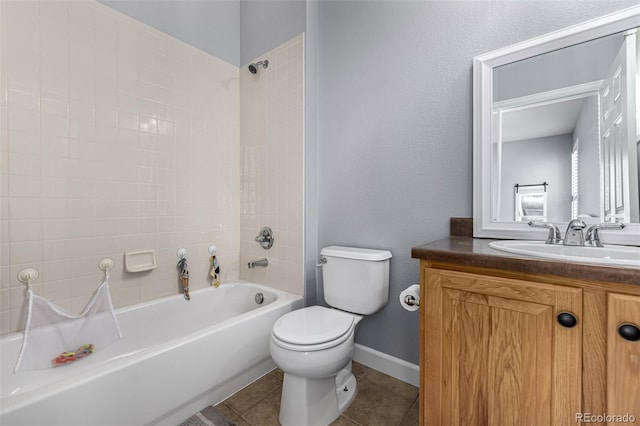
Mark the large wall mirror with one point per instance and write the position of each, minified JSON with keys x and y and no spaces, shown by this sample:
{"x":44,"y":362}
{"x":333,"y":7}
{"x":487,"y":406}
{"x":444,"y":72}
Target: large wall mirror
{"x":556,"y":134}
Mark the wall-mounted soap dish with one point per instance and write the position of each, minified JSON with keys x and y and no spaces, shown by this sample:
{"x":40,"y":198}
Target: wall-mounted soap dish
{"x":140,"y":261}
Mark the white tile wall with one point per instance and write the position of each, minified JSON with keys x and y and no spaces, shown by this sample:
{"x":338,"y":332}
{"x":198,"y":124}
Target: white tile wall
{"x":271,"y":175}
{"x":115,"y":137}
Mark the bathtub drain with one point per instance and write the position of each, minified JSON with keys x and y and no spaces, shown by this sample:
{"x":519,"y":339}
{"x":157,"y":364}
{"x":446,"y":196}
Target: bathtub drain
{"x":259,"y":298}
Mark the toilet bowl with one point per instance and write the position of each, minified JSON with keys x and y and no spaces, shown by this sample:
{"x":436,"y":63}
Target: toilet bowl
{"x":314,"y":345}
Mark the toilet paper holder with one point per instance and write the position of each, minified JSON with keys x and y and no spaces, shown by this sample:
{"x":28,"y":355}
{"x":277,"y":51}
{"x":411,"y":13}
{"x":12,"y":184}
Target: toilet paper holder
{"x":411,"y":301}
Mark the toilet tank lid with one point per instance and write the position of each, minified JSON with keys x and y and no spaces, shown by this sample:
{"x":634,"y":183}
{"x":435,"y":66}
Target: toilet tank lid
{"x":355,"y":253}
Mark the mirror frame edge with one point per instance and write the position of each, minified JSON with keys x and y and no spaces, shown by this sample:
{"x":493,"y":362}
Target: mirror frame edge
{"x":482,"y":98}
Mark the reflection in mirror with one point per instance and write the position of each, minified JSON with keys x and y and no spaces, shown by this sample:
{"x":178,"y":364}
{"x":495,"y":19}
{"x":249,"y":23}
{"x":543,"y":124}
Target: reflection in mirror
{"x":530,"y":202}
{"x":564,"y":140}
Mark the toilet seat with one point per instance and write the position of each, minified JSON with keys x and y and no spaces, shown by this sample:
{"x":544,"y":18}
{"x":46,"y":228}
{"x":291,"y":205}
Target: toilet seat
{"x":313,"y":328}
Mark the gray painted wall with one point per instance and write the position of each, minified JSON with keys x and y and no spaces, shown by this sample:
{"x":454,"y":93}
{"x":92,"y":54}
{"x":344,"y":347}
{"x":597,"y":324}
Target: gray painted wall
{"x":212,"y":25}
{"x":266,"y":24}
{"x":534,"y":161}
{"x":395,"y":130}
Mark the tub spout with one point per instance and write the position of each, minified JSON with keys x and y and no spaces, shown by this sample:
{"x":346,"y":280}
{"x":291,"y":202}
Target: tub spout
{"x":256,"y":263}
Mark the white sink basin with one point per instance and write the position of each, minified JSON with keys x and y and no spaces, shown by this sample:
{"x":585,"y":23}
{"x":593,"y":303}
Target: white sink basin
{"x":607,"y":255}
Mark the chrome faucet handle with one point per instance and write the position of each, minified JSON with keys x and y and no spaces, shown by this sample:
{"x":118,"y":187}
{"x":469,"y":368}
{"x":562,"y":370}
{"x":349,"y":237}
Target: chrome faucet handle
{"x":265,"y":237}
{"x":554,"y":233}
{"x":574,"y":236}
{"x":593,"y":239}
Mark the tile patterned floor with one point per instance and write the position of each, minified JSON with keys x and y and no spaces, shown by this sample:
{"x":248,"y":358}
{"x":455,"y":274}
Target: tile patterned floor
{"x":381,"y":401}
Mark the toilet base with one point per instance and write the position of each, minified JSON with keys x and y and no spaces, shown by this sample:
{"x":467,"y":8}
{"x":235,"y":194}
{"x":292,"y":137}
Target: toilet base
{"x":346,"y":393}
{"x":316,"y":402}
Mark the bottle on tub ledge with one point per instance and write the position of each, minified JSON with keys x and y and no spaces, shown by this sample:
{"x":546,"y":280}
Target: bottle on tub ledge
{"x":214,"y":272}
{"x":184,"y":272}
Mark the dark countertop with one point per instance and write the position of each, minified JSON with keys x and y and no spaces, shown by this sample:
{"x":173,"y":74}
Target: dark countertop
{"x":476,"y":252}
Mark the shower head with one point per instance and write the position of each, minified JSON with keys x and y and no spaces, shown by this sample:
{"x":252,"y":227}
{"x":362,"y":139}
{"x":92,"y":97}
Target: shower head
{"x":253,"y":68}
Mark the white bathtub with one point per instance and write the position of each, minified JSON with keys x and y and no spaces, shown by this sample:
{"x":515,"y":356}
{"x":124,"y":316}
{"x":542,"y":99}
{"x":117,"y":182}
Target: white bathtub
{"x":175,"y":358}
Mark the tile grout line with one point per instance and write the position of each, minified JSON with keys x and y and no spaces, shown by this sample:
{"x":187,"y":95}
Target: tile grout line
{"x":232,"y":410}
{"x":406,"y":415}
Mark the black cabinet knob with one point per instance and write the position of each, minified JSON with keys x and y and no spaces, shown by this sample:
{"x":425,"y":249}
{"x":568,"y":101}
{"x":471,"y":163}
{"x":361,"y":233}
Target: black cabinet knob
{"x":567,"y":319}
{"x":629,"y":332}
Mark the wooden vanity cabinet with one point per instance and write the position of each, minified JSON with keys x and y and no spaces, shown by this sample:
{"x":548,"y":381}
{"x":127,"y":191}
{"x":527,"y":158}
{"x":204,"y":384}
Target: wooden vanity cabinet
{"x":504,"y":348}
{"x":623,"y":355}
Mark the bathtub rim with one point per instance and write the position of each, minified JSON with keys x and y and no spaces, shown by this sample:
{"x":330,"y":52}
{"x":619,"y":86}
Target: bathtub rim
{"x":127,"y":308}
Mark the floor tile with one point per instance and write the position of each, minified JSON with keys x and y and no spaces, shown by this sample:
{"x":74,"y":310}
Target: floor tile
{"x":381,"y":400}
{"x":392,"y":384}
{"x":343,"y":421}
{"x":378,"y":405}
{"x":248,"y":397}
{"x":265,"y":412}
{"x":413,"y":416}
{"x":278,"y":373}
{"x":359,"y":370}
{"x":231,"y":415}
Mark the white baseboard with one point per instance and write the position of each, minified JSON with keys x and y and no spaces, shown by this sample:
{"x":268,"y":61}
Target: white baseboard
{"x":387,"y":364}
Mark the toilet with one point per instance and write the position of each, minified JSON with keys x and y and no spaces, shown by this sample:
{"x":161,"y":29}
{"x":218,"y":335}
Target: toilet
{"x":314,"y":345}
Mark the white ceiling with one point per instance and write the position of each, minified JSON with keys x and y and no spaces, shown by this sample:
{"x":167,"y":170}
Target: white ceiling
{"x":538,"y":121}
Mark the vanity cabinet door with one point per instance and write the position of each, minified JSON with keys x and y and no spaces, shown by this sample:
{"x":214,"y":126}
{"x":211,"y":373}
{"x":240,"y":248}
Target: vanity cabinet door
{"x":494,"y":352}
{"x":623,"y":356}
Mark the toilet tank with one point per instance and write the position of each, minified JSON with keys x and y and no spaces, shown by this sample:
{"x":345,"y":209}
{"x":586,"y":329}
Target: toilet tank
{"x":355,"y":279}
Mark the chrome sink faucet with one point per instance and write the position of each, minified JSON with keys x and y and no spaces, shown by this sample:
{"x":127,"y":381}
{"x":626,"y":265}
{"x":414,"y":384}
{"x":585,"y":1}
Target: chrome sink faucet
{"x":554,"y":233}
{"x":593,"y":239}
{"x":574,"y":236}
